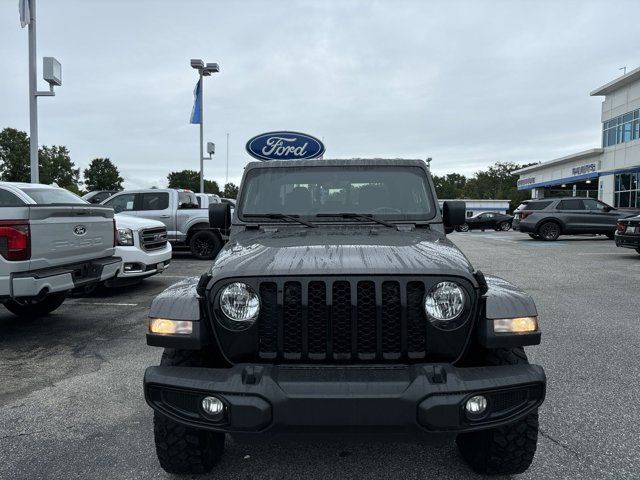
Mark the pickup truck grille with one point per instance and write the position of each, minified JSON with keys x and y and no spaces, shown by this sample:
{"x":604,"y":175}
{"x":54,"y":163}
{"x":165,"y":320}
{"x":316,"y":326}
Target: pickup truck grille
{"x":153,"y":238}
{"x":350,"y":320}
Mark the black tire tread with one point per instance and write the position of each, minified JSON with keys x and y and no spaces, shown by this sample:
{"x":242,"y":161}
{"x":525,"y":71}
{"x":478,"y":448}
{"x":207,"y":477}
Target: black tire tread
{"x":44,"y":307}
{"x":506,"y":450}
{"x":181,"y":449}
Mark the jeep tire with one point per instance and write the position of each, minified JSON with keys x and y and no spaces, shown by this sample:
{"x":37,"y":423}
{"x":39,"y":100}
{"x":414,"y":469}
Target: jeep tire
{"x":505,"y":450}
{"x":181,"y":449}
{"x":204,"y":244}
{"x":32,"y":308}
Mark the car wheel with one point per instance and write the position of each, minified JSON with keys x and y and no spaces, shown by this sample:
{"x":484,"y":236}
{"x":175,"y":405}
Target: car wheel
{"x":505,"y":450}
{"x":463,"y":228}
{"x":35,"y":307}
{"x":181,"y":449}
{"x":205,"y":245}
{"x":505,"y":226}
{"x":549,"y":231}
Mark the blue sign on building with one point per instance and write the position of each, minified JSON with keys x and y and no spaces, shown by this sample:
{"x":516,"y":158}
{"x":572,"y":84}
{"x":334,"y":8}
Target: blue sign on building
{"x":284,"y":146}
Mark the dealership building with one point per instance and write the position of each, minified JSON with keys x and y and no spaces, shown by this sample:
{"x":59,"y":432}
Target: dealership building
{"x":611,"y":172}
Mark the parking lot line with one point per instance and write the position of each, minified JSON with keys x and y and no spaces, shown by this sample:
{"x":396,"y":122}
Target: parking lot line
{"x":174,"y":276}
{"x":109,"y":304}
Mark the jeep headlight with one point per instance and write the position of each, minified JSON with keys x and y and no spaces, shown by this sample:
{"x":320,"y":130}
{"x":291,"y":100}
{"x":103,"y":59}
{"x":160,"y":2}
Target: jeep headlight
{"x":240,"y":306}
{"x":444,"y":303}
{"x":125,"y":237}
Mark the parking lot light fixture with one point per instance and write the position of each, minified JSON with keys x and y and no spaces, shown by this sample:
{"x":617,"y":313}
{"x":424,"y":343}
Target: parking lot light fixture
{"x":204,"y":70}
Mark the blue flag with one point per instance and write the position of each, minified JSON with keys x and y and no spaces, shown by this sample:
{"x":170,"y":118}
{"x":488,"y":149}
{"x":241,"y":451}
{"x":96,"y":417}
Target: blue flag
{"x":196,"y":117}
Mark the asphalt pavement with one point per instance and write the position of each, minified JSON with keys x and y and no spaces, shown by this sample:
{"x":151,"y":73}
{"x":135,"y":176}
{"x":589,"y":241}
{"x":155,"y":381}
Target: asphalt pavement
{"x":71,"y":402}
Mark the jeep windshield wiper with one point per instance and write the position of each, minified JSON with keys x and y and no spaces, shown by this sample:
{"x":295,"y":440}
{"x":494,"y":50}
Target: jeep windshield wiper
{"x":362,"y":216}
{"x":280,"y":216}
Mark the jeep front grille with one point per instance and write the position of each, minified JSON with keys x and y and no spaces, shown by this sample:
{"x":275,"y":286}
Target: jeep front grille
{"x":349,"y":320}
{"x":153,"y":238}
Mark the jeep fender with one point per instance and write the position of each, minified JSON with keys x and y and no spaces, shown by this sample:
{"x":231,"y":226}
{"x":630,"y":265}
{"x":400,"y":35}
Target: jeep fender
{"x":505,"y":300}
{"x":180,"y":302}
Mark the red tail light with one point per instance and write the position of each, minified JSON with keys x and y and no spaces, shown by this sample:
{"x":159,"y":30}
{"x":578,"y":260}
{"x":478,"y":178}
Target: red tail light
{"x":524,"y":215}
{"x":621,"y":227}
{"x":15,"y":240}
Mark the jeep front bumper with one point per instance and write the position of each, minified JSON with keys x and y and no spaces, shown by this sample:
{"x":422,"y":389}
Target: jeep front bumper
{"x":402,"y":398}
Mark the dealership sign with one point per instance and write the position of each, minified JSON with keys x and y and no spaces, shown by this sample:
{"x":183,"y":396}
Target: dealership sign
{"x":284,"y":146}
{"x":526,"y":181}
{"x":584,"y":169}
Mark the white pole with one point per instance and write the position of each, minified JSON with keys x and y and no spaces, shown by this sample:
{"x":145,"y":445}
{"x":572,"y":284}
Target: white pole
{"x":227,"y":177}
{"x":33,"y":98}
{"x":201,"y":135}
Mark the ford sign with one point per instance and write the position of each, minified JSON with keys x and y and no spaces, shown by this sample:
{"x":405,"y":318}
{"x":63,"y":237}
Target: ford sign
{"x":284,"y":146}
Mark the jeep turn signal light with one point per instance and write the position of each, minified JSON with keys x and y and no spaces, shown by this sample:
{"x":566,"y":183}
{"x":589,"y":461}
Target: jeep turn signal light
{"x":171,"y":327}
{"x":516,"y":325}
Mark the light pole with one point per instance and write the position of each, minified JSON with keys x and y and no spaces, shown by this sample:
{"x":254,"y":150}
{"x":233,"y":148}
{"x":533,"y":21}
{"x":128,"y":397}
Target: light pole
{"x":51,"y":72}
{"x":203,"y":71}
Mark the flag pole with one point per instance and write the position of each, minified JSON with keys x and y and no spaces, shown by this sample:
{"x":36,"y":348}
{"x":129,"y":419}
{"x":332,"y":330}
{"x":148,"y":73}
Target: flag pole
{"x":33,"y":96}
{"x":227,"y":177}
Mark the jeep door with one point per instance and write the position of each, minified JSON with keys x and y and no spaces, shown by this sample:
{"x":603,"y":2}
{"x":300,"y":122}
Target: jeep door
{"x":575,"y":217}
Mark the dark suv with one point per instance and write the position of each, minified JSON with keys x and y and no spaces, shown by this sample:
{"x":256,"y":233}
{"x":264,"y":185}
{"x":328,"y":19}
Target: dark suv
{"x":339,"y":305}
{"x":549,"y":218}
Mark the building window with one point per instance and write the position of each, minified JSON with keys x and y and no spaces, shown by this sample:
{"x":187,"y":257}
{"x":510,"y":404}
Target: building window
{"x":627,"y":190}
{"x":621,"y":129}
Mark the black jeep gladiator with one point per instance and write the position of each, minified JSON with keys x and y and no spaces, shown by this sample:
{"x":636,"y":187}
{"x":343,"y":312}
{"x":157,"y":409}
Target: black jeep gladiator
{"x":339,"y":304}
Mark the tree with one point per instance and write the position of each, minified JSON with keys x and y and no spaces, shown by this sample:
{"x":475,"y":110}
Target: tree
{"x":230,"y":191}
{"x":190,"y":180}
{"x":102,"y":174}
{"x":56,"y":167}
{"x":450,"y":185}
{"x":14,"y":155}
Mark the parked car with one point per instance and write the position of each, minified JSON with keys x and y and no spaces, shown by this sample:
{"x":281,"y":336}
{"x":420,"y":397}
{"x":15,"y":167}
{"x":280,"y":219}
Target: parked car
{"x":187,"y":224}
{"x":628,"y":233}
{"x":98,"y":196}
{"x":347,"y":311}
{"x":143,"y":247}
{"x":487,"y":221}
{"x":206,"y":199}
{"x":51,"y":242}
{"x":548,"y":218}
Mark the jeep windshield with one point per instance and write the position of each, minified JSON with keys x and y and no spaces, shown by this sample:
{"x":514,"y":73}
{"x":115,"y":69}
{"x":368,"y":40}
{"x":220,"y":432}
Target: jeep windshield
{"x":390,"y":193}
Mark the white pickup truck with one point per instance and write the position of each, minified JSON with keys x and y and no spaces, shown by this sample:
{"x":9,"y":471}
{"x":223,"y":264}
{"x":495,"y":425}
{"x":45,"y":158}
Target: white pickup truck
{"x":143,"y":247}
{"x":51,"y":242}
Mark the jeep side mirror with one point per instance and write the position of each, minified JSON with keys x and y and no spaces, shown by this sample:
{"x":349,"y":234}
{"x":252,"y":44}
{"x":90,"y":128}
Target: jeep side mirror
{"x":453,"y":214}
{"x":220,"y":216}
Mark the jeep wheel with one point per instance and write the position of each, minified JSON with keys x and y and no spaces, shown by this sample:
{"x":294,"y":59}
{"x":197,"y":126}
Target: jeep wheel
{"x":463,"y":228}
{"x":505,"y":226}
{"x":549,"y":231}
{"x":181,"y":449}
{"x":205,"y":245}
{"x":505,"y":450}
{"x":23,"y":307}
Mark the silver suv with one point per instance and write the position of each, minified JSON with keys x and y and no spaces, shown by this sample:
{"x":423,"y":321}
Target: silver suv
{"x":548,"y":218}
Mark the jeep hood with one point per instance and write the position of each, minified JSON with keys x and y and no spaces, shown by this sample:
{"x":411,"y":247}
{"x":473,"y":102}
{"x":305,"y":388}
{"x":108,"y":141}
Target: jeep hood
{"x":344,"y":250}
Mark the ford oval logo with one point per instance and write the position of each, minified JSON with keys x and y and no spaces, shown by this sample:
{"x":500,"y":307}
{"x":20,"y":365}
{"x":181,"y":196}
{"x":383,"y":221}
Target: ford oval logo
{"x":284,"y":146}
{"x":79,"y":230}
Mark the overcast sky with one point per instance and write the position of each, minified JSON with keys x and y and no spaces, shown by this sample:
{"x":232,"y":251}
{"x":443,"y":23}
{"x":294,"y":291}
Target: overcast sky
{"x":467,"y":83}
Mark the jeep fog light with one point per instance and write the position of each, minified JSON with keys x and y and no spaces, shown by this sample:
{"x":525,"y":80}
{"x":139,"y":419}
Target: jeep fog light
{"x":516,"y":325}
{"x":240,"y":306}
{"x":212,"y":406}
{"x":173,"y":327}
{"x":476,"y":405}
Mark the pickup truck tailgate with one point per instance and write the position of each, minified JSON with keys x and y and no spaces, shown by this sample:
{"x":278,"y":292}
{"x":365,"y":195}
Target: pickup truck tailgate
{"x":65,"y":234}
